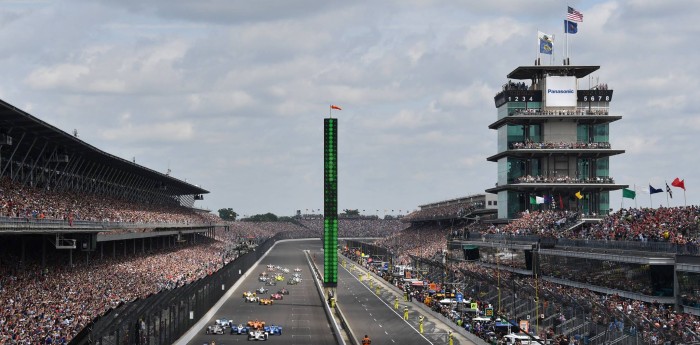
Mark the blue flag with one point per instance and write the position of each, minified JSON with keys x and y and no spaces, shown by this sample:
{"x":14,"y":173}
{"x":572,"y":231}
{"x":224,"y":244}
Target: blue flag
{"x":546,"y":43}
{"x":570,"y":27}
{"x":653,"y":190}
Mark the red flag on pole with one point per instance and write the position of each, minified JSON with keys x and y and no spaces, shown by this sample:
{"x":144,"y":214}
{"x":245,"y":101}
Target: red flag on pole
{"x":335,"y":107}
{"x":678,"y":183}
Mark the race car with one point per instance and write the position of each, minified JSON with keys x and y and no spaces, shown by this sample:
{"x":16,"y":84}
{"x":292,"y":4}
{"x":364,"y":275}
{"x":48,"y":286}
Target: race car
{"x":248,"y":294}
{"x":239,"y":329}
{"x":252,"y":298}
{"x":279,"y":277}
{"x":297,"y":269}
{"x":258,"y":334}
{"x":271,"y":282}
{"x":256,"y":324}
{"x":296,"y":275}
{"x":276,"y":296}
{"x":273,"y":330}
{"x":215,"y":329}
{"x":283,"y":291}
{"x":270,"y":266}
{"x":285,"y":270}
{"x":292,"y":281}
{"x":265,"y":301}
{"x":223,"y":322}
{"x":261,"y":290}
{"x":263,"y":277}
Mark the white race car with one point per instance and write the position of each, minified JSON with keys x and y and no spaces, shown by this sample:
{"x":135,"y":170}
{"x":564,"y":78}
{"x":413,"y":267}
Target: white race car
{"x":297,"y":269}
{"x":215,"y":329}
{"x":285,"y":270}
{"x":258,"y":334}
{"x":252,"y":298}
{"x":223,"y":322}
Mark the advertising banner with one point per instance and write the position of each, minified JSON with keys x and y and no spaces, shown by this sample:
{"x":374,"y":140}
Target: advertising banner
{"x":560,"y":92}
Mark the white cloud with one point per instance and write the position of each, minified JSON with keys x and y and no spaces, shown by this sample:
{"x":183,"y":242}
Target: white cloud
{"x":144,"y":133}
{"x":240,"y":90}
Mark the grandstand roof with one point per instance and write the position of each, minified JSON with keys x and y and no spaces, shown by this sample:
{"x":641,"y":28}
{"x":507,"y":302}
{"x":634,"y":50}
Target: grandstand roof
{"x":12,"y":118}
{"x":469,"y":198}
{"x":530,"y":72}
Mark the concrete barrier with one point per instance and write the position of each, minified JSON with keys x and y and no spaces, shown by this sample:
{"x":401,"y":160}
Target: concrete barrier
{"x":329,"y":313}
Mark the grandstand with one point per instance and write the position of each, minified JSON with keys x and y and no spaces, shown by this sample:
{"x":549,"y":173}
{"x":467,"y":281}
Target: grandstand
{"x":82,"y":231}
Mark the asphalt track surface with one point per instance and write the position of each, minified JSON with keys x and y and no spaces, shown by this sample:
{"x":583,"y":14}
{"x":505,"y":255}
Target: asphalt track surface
{"x":372,"y":315}
{"x":300,"y":313}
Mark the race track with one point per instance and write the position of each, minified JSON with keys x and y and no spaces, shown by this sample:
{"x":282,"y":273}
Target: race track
{"x":300,"y":313}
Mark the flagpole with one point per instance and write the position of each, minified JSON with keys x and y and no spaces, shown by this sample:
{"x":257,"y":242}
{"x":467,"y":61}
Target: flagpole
{"x":651,"y":205}
{"x":622,"y":200}
{"x":667,"y":189}
{"x":330,"y":111}
{"x":566,"y":33}
{"x":635,"y":196}
{"x":685,"y":202}
{"x":537,"y":55}
{"x":551,"y":56}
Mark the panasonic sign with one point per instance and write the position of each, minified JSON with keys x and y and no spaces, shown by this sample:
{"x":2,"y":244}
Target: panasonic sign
{"x":561,"y":92}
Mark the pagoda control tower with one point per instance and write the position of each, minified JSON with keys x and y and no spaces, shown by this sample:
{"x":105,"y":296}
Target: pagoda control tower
{"x":553,"y":142}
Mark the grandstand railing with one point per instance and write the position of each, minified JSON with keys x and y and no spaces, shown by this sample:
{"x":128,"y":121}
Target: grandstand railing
{"x":549,"y":242}
{"x":22,"y":223}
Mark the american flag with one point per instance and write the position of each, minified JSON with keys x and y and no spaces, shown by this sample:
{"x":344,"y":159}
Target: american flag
{"x":574,"y":15}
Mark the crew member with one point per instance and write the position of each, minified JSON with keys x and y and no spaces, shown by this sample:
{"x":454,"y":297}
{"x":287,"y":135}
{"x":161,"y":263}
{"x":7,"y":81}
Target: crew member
{"x":449,"y":336}
{"x":405,"y":313}
{"x":366,"y":340}
{"x":396,"y":303}
{"x":420,"y":323}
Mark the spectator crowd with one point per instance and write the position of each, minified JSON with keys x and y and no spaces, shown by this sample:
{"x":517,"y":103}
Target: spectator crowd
{"x":26,"y":202}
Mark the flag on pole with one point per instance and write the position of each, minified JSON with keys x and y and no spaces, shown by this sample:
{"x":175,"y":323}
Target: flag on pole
{"x":668,"y":190}
{"x":572,"y":14}
{"x":546,"y":42}
{"x":628,"y":193}
{"x":539,"y":200}
{"x":570,"y":27}
{"x":653,"y":190}
{"x":678,"y":183}
{"x":579,"y":195}
{"x":335,"y":107}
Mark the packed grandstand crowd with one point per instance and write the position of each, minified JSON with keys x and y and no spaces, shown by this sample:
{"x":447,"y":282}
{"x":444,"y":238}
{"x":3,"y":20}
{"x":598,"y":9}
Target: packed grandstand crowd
{"x":31,"y":203}
{"x":451,"y":210}
{"x":57,"y":301}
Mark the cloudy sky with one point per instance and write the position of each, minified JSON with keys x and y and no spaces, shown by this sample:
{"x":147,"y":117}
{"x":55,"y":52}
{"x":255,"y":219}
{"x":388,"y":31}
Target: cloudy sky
{"x":231,"y":95}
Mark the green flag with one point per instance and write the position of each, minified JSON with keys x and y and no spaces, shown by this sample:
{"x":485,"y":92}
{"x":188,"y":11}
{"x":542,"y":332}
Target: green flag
{"x":533,"y":200}
{"x":628,"y":193}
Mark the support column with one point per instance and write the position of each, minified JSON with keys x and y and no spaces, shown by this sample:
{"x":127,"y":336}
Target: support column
{"x":43,"y":251}
{"x":70,"y":257}
{"x":102,"y":250}
{"x":114,"y":249}
{"x":24,"y":244}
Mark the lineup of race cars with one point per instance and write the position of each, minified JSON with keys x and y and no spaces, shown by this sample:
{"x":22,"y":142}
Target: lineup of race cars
{"x":256,"y":329}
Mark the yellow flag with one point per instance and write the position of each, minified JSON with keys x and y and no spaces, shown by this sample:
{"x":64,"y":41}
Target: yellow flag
{"x":579,"y":195}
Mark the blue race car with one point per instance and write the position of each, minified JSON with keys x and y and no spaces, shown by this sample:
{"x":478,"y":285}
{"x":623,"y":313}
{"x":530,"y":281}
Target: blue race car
{"x":273,"y":330}
{"x":239,"y":329}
